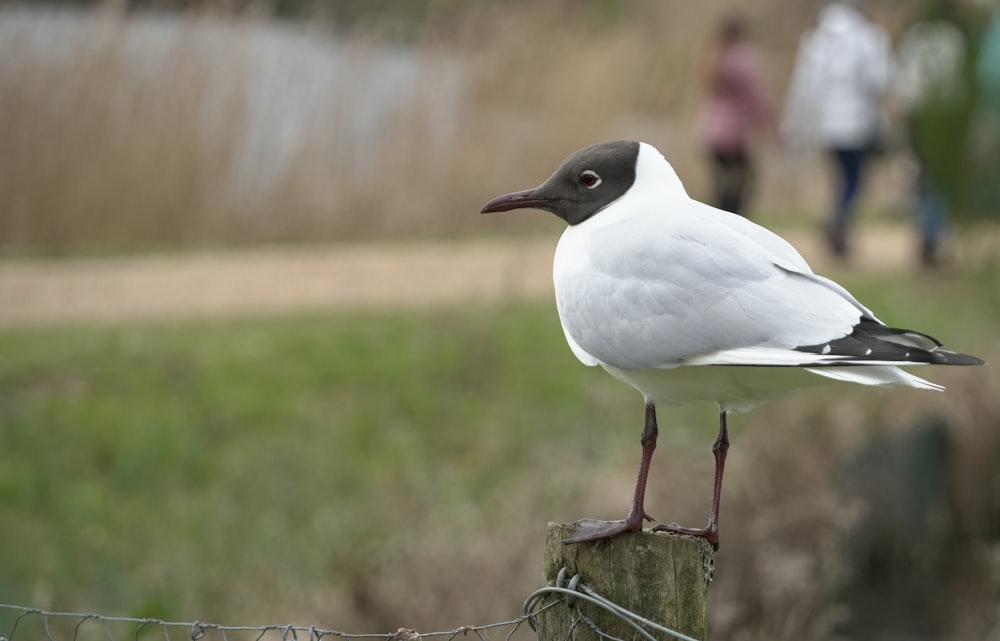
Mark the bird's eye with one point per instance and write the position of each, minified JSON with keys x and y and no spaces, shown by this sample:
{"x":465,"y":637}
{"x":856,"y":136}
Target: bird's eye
{"x":590,"y":179}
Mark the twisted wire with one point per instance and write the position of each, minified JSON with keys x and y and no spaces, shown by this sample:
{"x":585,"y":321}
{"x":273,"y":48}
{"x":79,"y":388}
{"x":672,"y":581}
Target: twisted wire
{"x":569,"y":592}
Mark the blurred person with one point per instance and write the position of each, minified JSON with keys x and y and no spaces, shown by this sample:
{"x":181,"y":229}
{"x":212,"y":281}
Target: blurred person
{"x":841,"y":75}
{"x":735,"y":106}
{"x":932,"y":96}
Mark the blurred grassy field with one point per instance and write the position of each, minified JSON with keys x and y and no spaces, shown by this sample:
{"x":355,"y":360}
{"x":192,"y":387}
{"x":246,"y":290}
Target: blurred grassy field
{"x":368,"y":471}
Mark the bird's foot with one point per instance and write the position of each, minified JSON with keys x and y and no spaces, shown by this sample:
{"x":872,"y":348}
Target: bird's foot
{"x":710,"y":533}
{"x":595,"y":530}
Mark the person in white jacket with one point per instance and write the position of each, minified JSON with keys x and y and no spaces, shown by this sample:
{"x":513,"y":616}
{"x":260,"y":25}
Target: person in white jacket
{"x":842,"y":70}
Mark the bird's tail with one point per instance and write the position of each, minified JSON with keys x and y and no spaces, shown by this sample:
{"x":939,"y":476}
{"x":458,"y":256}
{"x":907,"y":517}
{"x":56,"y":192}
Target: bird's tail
{"x":875,"y":375}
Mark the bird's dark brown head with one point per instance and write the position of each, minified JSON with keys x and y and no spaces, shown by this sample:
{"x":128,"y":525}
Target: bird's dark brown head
{"x":584,"y":184}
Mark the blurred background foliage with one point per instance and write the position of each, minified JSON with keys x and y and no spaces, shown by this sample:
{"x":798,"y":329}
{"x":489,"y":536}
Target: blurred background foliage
{"x":369,"y":470}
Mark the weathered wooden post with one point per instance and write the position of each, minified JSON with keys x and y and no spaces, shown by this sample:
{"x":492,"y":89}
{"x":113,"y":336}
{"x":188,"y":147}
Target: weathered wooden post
{"x":661,"y":577}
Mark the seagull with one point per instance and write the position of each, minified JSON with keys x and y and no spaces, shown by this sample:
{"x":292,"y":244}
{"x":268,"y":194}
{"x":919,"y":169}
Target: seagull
{"x":687,"y":303}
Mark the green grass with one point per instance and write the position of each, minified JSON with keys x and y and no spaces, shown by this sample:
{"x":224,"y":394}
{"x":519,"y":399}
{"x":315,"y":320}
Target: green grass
{"x":176,"y":463}
{"x":352,"y":469}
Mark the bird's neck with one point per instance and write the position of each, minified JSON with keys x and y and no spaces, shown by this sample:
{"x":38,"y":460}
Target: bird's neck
{"x":654,"y":173}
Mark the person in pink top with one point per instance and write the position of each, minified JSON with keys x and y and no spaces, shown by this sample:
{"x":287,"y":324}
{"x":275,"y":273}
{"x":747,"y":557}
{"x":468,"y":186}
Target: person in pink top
{"x":736,"y":105}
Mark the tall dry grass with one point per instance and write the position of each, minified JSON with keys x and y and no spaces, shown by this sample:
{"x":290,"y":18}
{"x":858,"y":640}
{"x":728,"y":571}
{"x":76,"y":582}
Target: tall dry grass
{"x":101,"y":149}
{"x":147,"y":128}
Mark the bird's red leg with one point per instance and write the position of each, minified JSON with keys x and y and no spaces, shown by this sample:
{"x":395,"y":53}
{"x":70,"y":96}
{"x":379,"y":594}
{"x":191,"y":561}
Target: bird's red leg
{"x":711,"y":531}
{"x":592,"y":529}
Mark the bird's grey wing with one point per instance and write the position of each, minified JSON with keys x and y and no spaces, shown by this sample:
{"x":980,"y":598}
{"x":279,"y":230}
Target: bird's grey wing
{"x":780,"y":252}
{"x":664,"y":287}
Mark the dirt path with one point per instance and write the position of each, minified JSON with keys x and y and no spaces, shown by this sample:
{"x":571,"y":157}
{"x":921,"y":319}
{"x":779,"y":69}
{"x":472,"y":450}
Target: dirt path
{"x":383,"y":275}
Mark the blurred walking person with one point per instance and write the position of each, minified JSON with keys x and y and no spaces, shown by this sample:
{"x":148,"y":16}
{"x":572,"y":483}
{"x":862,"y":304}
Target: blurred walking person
{"x":842,"y":72}
{"x":736,"y":105}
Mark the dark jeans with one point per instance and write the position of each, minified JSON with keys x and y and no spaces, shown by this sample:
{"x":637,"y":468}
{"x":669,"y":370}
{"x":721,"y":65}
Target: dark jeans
{"x":849,"y":166}
{"x":931,"y":213}
{"x":732,"y":174}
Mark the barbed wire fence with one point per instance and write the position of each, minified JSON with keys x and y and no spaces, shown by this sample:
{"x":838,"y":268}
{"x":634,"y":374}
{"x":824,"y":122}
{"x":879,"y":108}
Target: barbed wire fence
{"x":34,"y":624}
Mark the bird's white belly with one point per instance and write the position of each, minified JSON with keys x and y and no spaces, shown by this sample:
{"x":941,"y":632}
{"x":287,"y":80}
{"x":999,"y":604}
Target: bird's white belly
{"x":733,"y":388}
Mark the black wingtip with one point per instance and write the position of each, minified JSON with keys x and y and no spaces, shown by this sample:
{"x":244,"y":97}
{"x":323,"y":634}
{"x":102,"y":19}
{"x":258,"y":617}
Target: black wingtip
{"x":945,"y":357}
{"x":872,"y":341}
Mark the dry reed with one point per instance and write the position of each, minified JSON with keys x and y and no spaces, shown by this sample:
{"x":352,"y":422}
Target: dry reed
{"x":153,"y":129}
